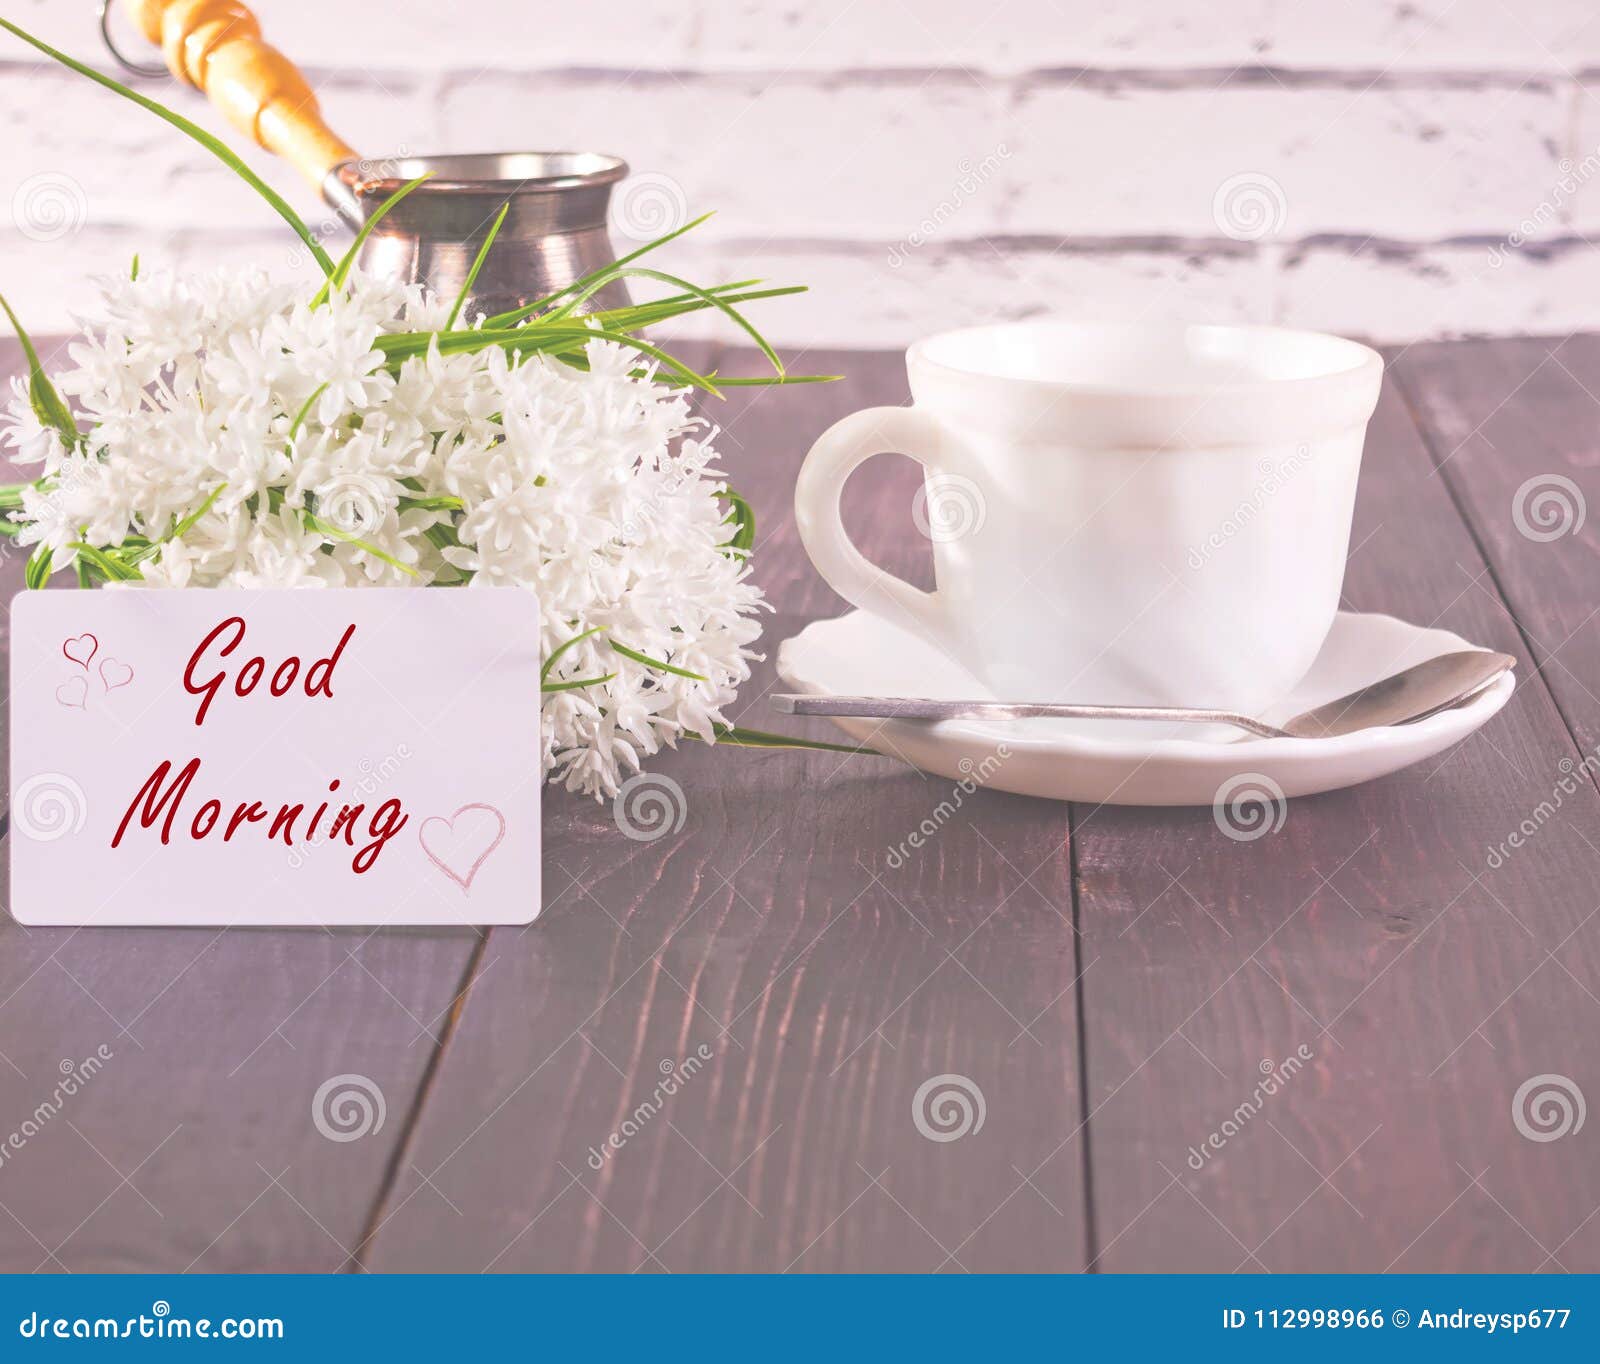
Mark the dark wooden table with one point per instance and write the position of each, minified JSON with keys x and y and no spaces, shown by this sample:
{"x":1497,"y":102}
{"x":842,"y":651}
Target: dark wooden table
{"x":1111,"y":980}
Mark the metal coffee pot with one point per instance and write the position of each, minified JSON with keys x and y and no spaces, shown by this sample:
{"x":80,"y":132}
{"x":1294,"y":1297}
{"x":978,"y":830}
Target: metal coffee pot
{"x":554,"y":231}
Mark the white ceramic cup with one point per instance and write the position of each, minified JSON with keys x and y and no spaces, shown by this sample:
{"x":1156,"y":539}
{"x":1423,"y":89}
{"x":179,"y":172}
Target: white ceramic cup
{"x":1120,"y":514}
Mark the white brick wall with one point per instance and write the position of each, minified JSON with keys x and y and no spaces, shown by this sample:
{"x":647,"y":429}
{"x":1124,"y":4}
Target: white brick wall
{"x":921,"y":163}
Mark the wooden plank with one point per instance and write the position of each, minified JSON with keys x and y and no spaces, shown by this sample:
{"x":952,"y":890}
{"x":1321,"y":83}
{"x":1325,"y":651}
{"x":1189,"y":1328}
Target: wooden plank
{"x":194,"y":1145}
{"x":1427,"y":985}
{"x":1513,"y":429}
{"x":827,"y":987}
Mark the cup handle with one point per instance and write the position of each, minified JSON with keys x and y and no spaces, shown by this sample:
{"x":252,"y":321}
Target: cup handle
{"x":838,"y":452}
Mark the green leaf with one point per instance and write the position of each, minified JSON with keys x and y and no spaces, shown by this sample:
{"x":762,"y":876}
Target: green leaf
{"x":322,"y":527}
{"x":438,"y":502}
{"x":760,"y":738}
{"x":561,"y":648}
{"x":477,"y":265}
{"x":114,"y":569}
{"x":341,"y":272}
{"x":216,"y":147}
{"x":659,"y":242}
{"x":773,"y":380}
{"x":743,"y":519}
{"x":674,"y":365}
{"x":649,"y":662}
{"x":444,"y":536}
{"x":305,"y":411}
{"x":578,"y":362}
{"x":602,"y":275}
{"x":192,"y":519}
{"x":638,"y":315}
{"x":42,"y":396}
{"x":38,"y":568}
{"x":179,"y":529}
{"x":533,"y":339}
{"x":706,"y":298}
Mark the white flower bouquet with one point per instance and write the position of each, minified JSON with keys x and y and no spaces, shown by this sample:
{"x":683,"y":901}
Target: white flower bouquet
{"x":223,"y":430}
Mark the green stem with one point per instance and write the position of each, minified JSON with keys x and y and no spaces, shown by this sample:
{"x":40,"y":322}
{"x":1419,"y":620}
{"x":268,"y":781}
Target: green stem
{"x":649,"y":662}
{"x":760,"y":738}
{"x":200,"y":135}
{"x":316,"y":523}
{"x":477,"y":265}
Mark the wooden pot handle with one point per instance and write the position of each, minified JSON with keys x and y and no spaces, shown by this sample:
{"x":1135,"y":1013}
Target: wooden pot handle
{"x":216,"y":46}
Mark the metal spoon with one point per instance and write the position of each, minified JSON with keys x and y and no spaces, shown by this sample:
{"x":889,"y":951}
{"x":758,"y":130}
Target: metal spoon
{"x":1413,"y":694}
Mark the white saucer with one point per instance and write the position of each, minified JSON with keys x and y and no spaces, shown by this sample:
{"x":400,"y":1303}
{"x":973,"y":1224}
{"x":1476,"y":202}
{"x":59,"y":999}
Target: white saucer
{"x":1083,"y":760}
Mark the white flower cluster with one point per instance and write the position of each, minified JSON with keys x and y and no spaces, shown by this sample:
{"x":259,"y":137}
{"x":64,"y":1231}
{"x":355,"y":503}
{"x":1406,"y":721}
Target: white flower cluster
{"x":338,"y":468}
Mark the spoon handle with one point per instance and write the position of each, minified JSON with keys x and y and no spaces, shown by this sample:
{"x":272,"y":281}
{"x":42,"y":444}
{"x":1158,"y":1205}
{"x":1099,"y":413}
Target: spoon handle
{"x":926,"y":708}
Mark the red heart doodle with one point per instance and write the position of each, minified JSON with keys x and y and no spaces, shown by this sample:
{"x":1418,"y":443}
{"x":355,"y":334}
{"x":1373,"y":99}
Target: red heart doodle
{"x":114,"y":673}
{"x":74,"y":692}
{"x":462,"y":842}
{"x":85,"y":653}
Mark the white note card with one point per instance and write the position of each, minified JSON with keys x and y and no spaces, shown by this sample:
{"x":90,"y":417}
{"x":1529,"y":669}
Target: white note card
{"x":275,"y":757}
